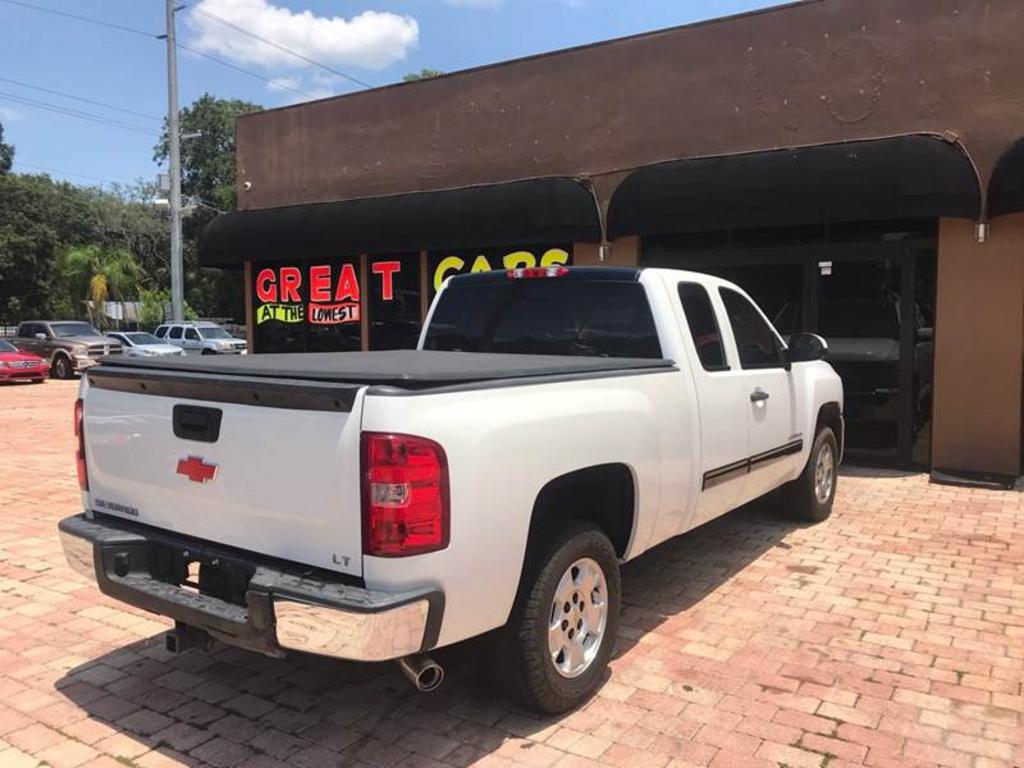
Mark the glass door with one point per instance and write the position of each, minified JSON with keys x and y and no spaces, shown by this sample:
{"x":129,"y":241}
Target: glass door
{"x":874,"y":302}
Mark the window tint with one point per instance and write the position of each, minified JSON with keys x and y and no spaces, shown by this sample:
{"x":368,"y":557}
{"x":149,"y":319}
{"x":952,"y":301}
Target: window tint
{"x":191,"y":334}
{"x":700,"y":316}
{"x":161,"y":331}
{"x":176,"y":332}
{"x":551,"y":316}
{"x":755,"y":340}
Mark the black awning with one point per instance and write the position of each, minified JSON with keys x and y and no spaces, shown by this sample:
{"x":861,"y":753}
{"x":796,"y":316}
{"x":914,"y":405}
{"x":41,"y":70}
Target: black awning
{"x":1006,"y":188}
{"x":901,"y":178}
{"x":555,"y":210}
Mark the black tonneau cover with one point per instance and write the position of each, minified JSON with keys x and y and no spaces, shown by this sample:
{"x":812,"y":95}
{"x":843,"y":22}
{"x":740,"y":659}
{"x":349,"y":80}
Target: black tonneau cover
{"x":404,"y":369}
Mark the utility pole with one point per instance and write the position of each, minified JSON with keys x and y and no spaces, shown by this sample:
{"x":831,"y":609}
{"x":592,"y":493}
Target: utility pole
{"x":174,"y":198}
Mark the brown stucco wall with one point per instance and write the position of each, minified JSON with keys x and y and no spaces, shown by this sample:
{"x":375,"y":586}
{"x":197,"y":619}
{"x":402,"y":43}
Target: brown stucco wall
{"x":624,"y":252}
{"x":816,"y":72}
{"x":979,"y":348}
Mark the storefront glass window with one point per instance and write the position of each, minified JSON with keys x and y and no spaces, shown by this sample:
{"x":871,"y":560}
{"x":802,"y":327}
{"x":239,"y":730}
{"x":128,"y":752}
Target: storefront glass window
{"x":394,"y":301}
{"x":312,"y":307}
{"x":444,"y":264}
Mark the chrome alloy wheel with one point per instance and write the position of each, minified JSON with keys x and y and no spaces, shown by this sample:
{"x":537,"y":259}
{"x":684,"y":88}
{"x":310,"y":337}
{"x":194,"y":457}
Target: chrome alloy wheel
{"x":579,"y":615}
{"x":824,"y":473}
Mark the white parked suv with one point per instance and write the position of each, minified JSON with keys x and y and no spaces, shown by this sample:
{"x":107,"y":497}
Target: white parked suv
{"x":552,"y":424}
{"x":201,"y":338}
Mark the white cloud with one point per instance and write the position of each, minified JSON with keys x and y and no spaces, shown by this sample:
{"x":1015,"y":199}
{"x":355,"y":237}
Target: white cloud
{"x":372,"y":39}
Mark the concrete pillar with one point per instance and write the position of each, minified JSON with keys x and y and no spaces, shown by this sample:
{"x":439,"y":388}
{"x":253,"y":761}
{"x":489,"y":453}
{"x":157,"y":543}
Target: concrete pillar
{"x":979,"y":348}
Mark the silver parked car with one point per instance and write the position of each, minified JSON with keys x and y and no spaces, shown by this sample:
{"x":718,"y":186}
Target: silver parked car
{"x":203,"y":338}
{"x":141,"y":344}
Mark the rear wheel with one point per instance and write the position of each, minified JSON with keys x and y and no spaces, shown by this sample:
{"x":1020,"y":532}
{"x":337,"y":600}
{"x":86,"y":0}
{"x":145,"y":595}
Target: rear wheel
{"x":810,"y":496}
{"x":62,"y":368}
{"x":562,"y":630}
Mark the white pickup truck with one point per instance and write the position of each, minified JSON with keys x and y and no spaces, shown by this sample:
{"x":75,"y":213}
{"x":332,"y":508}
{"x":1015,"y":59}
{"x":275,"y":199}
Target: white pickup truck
{"x":552,"y":424}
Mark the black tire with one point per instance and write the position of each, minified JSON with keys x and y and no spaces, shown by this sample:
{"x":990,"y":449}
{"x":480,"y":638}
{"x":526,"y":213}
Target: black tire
{"x":62,"y":367}
{"x":207,"y":352}
{"x":800,"y":497}
{"x":525,"y":665}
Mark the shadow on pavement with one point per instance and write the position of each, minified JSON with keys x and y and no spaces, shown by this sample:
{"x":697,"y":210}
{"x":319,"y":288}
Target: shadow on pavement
{"x":229,"y":706}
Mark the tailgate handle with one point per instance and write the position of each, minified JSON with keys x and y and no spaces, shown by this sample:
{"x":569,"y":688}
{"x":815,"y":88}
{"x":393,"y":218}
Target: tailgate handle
{"x":193,"y":422}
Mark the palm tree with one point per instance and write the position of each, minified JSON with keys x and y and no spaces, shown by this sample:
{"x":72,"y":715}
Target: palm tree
{"x":98,"y":275}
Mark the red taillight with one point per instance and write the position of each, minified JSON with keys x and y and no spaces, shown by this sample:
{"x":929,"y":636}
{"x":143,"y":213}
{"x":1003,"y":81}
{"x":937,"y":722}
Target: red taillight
{"x":532,"y":272}
{"x":83,"y":478}
{"x":405,"y":495}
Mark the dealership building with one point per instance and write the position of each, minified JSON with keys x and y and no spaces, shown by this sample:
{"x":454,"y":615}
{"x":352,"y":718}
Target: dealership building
{"x":856,"y":165}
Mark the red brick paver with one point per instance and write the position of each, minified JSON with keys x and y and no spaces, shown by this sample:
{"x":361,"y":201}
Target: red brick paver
{"x":893,"y":634}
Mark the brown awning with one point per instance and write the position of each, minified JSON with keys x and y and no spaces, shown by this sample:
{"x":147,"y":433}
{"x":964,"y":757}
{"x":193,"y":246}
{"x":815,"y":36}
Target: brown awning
{"x":899,"y":178}
{"x":553,"y":210}
{"x":1006,"y":187}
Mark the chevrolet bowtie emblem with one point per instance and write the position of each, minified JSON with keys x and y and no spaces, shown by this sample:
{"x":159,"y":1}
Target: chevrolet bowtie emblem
{"x":196,"y":469}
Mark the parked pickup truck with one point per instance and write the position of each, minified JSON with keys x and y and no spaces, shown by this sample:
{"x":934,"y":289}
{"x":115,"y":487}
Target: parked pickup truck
{"x":69,"y":346}
{"x":552,"y":424}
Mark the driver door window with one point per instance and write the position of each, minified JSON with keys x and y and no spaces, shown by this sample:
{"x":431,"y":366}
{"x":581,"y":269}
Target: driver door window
{"x":756,"y":341}
{"x":191,"y":338}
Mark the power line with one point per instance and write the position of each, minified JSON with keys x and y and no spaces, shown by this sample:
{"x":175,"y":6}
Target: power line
{"x":152,"y":36}
{"x":81,"y":99}
{"x":86,"y":19}
{"x":69,"y":112}
{"x":269,"y":80}
{"x":272,"y":44}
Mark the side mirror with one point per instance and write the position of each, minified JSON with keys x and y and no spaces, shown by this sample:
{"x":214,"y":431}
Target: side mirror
{"x":805,"y":347}
{"x":41,"y":336}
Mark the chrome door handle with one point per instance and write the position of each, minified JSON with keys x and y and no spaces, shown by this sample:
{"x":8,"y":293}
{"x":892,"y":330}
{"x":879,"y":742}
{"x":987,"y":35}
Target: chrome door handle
{"x":759,"y":396}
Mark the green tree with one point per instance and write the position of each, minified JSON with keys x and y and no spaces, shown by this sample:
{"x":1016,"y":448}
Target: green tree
{"x":208,"y":176}
{"x":423,"y":74}
{"x":96,"y":275}
{"x":39,"y":218}
{"x":6,"y":153}
{"x":154,"y":307}
{"x":127,"y":218}
{"x":208,"y":160}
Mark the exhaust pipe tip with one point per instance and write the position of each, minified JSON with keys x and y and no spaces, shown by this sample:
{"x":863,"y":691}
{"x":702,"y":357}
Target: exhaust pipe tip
{"x":423,"y":672}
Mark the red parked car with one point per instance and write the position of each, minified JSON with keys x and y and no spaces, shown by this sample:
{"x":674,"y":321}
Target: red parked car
{"x":16,"y":365}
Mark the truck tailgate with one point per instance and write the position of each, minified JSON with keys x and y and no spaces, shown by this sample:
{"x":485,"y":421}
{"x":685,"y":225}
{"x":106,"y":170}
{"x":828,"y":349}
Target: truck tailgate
{"x":266,"y":466}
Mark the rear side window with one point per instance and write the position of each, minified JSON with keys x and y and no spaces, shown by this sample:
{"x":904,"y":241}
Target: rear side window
{"x":756,"y":342}
{"x":545,"y":316}
{"x":700,"y":316}
{"x":176,"y":332}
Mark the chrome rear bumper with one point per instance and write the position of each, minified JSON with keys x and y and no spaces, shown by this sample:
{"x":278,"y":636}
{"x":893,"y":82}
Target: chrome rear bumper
{"x":250,"y":601}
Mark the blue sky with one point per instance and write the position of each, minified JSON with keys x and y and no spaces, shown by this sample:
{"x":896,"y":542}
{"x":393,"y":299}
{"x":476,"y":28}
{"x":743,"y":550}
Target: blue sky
{"x":376,"y":41}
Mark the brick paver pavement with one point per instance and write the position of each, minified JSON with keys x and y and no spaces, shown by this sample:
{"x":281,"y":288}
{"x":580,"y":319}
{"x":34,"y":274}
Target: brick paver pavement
{"x":893,"y":634}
